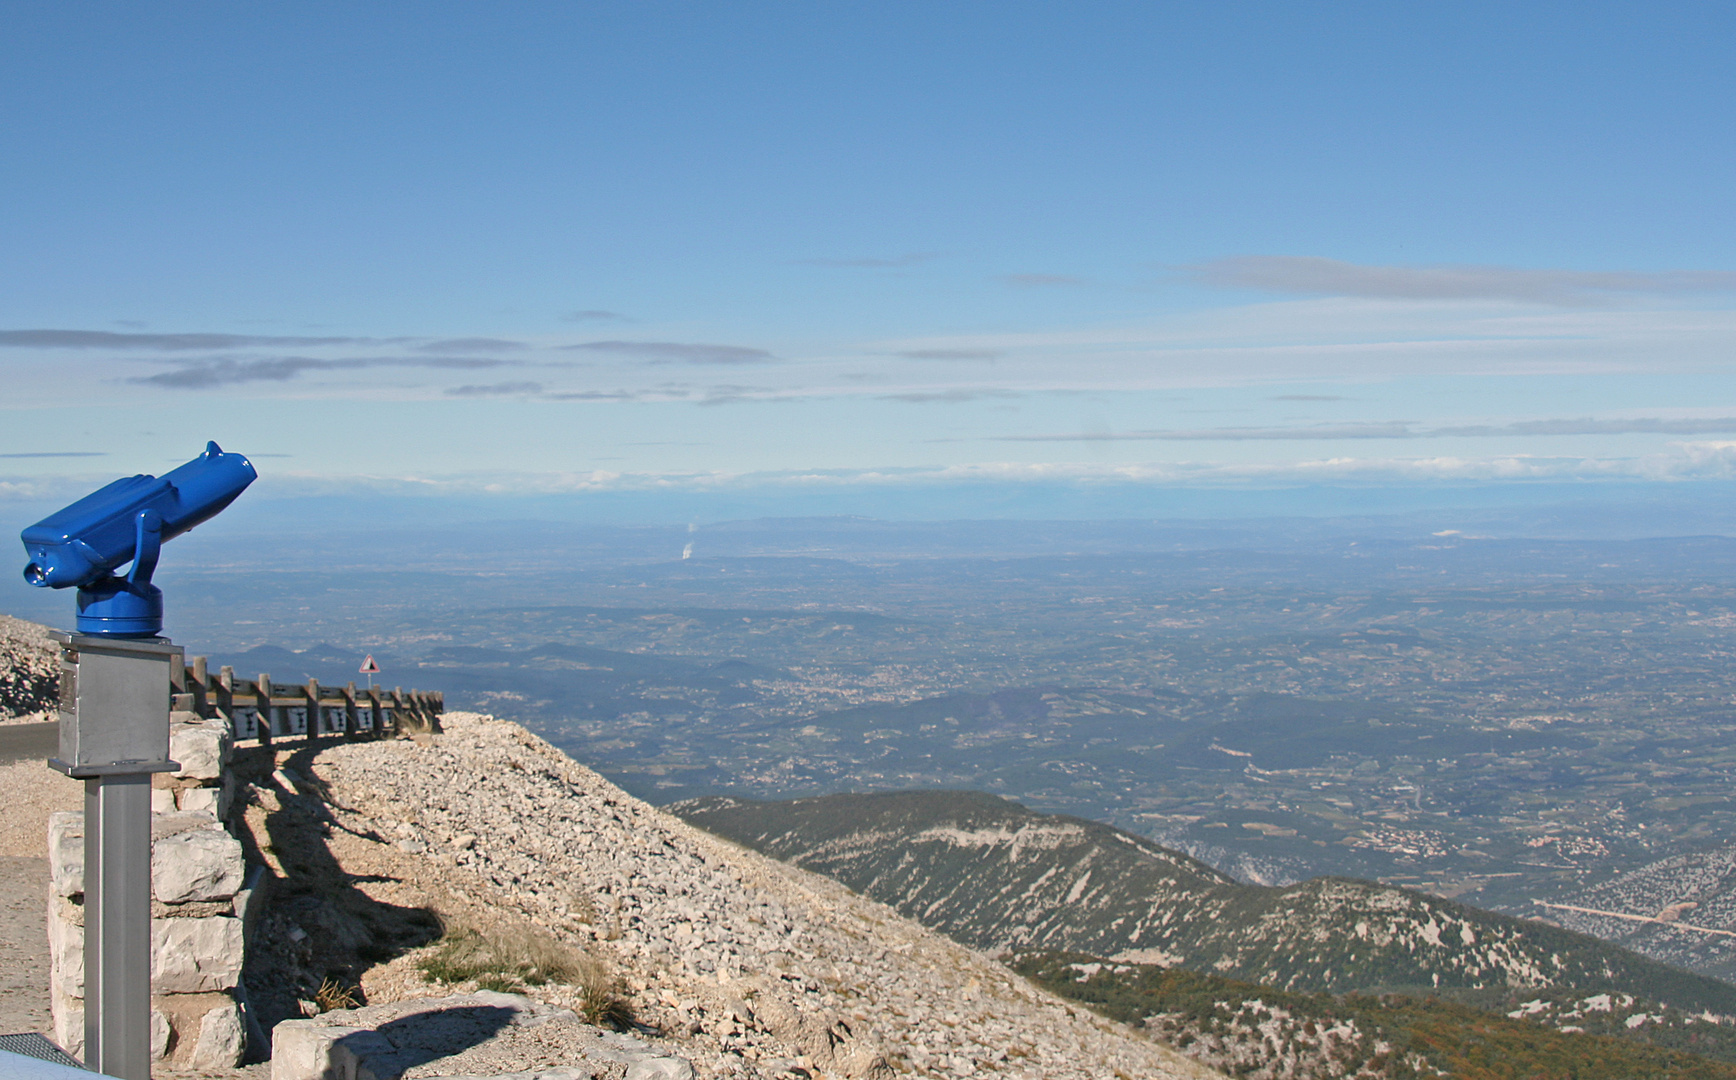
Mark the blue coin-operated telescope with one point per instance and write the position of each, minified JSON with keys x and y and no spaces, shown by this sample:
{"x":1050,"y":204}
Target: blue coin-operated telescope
{"x":116,"y":677}
{"x":128,"y":521}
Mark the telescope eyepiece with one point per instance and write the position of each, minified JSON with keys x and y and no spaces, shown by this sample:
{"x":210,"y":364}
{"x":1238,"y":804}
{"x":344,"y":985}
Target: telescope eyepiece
{"x":36,"y":575}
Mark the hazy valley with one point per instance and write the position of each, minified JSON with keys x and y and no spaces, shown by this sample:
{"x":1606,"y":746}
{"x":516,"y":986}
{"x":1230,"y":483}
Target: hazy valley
{"x":1504,"y":722}
{"x":1476,"y":724}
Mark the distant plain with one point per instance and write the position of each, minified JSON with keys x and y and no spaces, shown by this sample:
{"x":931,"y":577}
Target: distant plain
{"x":1497,"y":719}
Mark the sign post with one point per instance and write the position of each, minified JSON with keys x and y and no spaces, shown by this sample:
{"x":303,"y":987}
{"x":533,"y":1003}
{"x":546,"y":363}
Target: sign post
{"x":370,"y":669}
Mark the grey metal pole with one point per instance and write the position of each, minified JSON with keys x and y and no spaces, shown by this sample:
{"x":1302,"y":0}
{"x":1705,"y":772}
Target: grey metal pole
{"x":114,"y":733}
{"x":117,"y":925}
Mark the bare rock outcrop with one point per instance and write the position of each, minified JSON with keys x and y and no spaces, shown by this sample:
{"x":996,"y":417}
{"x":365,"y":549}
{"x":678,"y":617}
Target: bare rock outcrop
{"x":485,"y":1033}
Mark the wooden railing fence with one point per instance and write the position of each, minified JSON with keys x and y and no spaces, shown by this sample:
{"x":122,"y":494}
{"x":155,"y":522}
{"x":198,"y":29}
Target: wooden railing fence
{"x":265,"y":710}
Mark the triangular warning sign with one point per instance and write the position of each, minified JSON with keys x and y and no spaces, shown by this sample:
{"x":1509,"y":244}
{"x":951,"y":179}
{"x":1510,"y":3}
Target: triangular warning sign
{"x":369,"y":667}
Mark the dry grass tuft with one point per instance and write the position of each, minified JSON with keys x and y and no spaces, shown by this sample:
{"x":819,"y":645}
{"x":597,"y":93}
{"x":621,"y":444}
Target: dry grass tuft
{"x":602,"y":1006}
{"x":510,"y":960}
{"x":334,"y":995}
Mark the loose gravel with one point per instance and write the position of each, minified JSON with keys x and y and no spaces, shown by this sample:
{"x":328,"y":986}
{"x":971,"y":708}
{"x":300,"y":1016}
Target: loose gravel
{"x":745,"y":966}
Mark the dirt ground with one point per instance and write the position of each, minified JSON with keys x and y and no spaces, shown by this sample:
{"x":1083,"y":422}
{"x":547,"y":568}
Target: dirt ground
{"x":365,"y":907}
{"x":30,"y":792}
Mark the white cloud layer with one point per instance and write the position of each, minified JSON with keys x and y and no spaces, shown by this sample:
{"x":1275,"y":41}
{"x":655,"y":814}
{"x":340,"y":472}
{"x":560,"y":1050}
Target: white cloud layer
{"x":1313,"y":276}
{"x":1687,"y":461}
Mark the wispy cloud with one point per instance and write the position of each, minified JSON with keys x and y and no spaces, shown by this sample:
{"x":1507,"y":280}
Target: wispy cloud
{"x":952,"y":354}
{"x":911,"y":258}
{"x":212,"y":373}
{"x":500,"y":389}
{"x":675,"y":352}
{"x":726,"y":394}
{"x":592,"y":315}
{"x":1586,"y":426}
{"x":224,"y":371}
{"x":720,"y":394}
{"x":952,"y":396}
{"x":1239,"y":434}
{"x":1038,"y":281}
{"x":1314,"y":276}
{"x":58,"y":454}
{"x":1397,"y":429}
{"x":105,"y":339}
{"x":595,"y":395}
{"x":471,"y":345}
{"x":1307,"y":397}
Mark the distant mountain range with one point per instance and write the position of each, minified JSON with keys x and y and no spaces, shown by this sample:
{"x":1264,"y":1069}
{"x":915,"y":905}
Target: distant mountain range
{"x":999,"y":877}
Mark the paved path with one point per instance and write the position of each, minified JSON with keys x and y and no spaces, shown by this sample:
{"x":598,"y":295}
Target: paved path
{"x":21,"y":742}
{"x":29,"y":792}
{"x":23,"y":945}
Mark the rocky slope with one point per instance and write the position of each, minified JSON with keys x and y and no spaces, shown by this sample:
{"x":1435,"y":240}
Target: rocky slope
{"x":1688,"y":897}
{"x":29,"y":672}
{"x":741,"y":964}
{"x":1000,"y":877}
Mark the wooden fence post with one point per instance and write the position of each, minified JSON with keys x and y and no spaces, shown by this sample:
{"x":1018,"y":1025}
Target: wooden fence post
{"x":312,"y":691}
{"x":262,"y":700}
{"x":226,"y":689}
{"x":201,"y":687}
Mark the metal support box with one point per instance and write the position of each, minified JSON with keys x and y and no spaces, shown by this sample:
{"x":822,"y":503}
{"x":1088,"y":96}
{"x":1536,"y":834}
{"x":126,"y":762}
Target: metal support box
{"x":114,"y":704}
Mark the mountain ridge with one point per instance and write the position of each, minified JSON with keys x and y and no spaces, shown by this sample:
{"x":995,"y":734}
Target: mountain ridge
{"x":966,"y":864}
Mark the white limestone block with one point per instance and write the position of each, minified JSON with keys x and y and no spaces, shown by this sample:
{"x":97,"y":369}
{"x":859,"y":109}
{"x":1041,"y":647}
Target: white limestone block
{"x":65,"y":950}
{"x":222,"y":1041}
{"x":164,"y":826}
{"x":66,"y":852}
{"x":161,"y":1029}
{"x":310,"y":1050}
{"x":300,"y":1050}
{"x":368,"y":1055}
{"x":199,"y":800}
{"x":189,"y":956}
{"x":214,"y":800}
{"x":162,"y":801}
{"x":202,"y":747}
{"x":212,"y":858}
{"x":250,"y":901}
{"x":68,"y":1016}
{"x":660,"y":1068}
{"x":197,"y":864}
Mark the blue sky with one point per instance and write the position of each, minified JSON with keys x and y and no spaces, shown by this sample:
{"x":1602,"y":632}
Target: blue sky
{"x":583,"y":249}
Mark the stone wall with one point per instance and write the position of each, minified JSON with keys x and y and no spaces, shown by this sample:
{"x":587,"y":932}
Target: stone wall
{"x":203,"y":905}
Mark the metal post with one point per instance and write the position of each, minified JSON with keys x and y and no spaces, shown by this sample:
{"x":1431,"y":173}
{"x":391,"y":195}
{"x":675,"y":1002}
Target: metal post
{"x":117,"y":925}
{"x":114,"y":733}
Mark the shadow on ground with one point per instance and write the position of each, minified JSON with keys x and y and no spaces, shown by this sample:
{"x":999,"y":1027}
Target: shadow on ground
{"x":423,"y":1037}
{"x":319,"y":932}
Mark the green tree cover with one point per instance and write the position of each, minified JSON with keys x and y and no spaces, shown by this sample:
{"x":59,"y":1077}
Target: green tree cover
{"x":998,"y":876}
{"x":1247,"y":1030}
